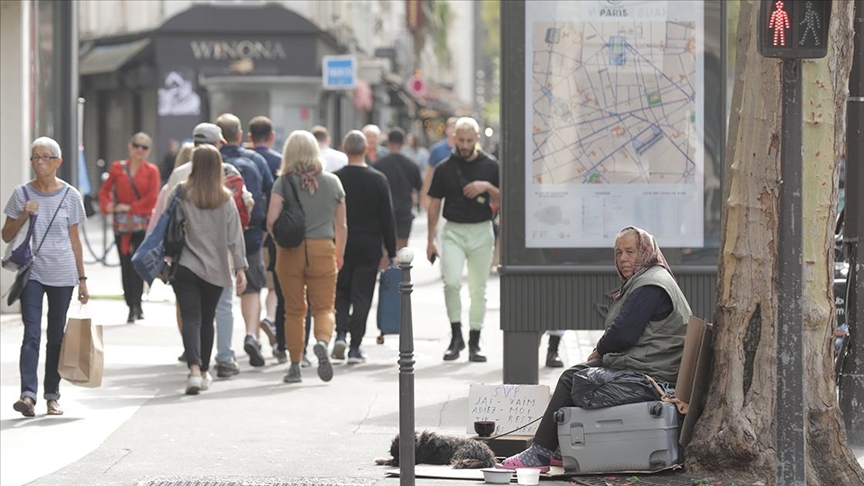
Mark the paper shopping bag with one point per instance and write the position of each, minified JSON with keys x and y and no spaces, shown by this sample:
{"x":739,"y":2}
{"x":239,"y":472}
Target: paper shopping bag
{"x":81,"y":355}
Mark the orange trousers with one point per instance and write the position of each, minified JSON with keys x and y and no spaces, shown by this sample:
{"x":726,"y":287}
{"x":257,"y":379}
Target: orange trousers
{"x":308,"y":269}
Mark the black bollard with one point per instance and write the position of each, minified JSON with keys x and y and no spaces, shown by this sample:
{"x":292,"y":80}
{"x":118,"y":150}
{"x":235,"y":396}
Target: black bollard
{"x":406,"y":372}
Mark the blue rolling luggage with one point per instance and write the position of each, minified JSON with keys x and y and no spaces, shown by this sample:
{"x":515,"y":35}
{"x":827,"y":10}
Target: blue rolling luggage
{"x":389,"y":302}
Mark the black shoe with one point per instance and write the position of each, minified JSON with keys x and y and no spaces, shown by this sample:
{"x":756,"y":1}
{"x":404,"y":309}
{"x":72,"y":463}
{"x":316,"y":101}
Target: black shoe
{"x":552,"y":358}
{"x":130,"y":319}
{"x":226,"y":370}
{"x":474,"y":347}
{"x":456,"y":342}
{"x":139,"y":312}
{"x":182,"y":357}
{"x":553,"y":361}
{"x":253,"y":349}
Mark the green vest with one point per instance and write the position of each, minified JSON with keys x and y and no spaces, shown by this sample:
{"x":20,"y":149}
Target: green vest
{"x":658,"y":350}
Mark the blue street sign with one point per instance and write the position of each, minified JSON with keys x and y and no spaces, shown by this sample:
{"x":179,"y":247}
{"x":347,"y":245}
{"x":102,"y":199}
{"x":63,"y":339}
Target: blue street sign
{"x":339,"y":72}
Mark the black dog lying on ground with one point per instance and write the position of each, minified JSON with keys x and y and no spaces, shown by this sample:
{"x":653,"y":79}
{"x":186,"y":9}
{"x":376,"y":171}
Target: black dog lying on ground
{"x":431,"y":448}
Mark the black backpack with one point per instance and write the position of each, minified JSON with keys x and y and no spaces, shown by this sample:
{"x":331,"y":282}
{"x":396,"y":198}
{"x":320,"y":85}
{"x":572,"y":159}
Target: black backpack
{"x":290,"y":229}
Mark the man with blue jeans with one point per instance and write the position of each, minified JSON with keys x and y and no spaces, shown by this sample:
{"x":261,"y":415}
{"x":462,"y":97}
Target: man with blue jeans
{"x":468,"y":183}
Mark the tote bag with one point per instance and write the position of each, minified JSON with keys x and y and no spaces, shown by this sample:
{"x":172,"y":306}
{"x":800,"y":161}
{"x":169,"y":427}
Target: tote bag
{"x":149,"y":259}
{"x":82,"y":357}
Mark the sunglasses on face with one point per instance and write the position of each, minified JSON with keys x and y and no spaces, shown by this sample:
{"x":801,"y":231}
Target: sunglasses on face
{"x":43,"y":157}
{"x":141,"y":146}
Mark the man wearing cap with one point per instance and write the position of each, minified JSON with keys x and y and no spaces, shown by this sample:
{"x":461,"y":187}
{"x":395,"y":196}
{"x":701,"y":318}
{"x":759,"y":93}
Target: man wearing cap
{"x":404,"y":178}
{"x":226,"y":366}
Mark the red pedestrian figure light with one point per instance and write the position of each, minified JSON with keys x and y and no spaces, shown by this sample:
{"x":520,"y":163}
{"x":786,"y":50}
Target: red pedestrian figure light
{"x":779,"y":22}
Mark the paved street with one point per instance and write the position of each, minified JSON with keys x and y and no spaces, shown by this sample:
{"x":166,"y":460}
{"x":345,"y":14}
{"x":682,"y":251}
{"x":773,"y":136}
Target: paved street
{"x":140,"y":425}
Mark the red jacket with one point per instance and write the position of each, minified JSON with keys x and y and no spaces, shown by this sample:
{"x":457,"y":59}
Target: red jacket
{"x":147,"y":181}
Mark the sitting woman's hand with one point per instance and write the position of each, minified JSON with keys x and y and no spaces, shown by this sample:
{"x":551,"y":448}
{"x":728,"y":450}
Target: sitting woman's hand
{"x":594,"y":356}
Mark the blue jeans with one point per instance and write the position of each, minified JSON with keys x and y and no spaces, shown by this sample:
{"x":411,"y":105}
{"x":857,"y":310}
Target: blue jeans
{"x":31,"y":314}
{"x":224,"y":326}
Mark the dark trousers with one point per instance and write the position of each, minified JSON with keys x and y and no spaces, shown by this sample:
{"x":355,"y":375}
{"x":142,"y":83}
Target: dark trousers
{"x":354,"y":288}
{"x":547,"y":431}
{"x":31,"y":314}
{"x":133,"y":285}
{"x":280,"y":318}
{"x":197,"y":300}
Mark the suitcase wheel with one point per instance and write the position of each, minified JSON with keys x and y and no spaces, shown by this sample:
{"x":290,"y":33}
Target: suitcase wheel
{"x":380,"y":339}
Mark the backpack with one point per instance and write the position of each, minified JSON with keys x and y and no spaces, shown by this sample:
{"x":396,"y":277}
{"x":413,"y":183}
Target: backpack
{"x":234,"y":182}
{"x":252,"y":179}
{"x":289,"y":230}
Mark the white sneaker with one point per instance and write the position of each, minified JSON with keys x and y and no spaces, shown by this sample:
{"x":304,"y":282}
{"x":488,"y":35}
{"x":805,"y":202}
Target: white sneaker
{"x":193,"y":384}
{"x":206,"y":380}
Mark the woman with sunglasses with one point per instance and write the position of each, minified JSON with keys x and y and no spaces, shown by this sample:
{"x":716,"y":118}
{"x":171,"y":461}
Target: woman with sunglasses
{"x":129,"y":193}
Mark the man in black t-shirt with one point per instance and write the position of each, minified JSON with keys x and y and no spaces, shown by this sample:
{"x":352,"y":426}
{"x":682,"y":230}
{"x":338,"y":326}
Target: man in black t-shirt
{"x":468,"y":183}
{"x":404,"y":178}
{"x":369,"y":214}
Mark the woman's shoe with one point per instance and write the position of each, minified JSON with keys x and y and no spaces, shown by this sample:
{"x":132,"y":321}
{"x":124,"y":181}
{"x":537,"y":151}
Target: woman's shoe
{"x":54,"y":408}
{"x":193,"y":384}
{"x":130,"y":319}
{"x":26,"y":406}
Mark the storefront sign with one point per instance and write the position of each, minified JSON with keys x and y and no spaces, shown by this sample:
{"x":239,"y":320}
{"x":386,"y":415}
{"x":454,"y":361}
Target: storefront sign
{"x":206,"y":50}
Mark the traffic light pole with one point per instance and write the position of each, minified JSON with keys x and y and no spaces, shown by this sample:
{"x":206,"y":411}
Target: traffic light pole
{"x":791,"y":459}
{"x":852,"y":373}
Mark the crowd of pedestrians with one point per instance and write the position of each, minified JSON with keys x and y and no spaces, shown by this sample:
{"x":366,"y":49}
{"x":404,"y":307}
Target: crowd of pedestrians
{"x":358,"y":202}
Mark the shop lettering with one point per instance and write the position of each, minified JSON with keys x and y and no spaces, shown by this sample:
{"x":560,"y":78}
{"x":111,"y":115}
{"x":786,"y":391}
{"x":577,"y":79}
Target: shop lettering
{"x":235,"y":50}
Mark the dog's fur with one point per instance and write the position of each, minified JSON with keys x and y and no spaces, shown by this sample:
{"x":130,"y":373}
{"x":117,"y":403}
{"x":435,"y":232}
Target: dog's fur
{"x":431,"y":448}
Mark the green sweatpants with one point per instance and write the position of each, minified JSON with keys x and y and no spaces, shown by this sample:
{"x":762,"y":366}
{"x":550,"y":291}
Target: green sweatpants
{"x":473,"y":243}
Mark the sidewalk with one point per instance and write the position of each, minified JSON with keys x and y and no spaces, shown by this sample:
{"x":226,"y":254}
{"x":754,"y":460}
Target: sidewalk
{"x":251,"y":427}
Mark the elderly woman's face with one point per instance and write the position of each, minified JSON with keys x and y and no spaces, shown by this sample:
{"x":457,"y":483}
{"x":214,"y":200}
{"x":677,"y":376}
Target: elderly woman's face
{"x":43,"y":161}
{"x":626,"y":249}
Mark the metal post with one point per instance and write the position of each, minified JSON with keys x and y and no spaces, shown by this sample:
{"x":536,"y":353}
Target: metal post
{"x":852,"y":373}
{"x":790,"y":371}
{"x":406,"y":372}
{"x":66,"y":39}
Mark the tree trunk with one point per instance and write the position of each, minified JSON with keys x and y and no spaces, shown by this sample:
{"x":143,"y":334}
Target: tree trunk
{"x":736,"y":435}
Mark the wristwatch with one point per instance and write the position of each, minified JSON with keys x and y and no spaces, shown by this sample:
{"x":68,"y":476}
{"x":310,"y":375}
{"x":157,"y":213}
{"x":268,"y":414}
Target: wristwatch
{"x":82,"y":277}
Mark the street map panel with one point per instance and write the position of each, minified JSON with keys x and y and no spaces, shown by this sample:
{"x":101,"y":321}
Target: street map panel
{"x":615,"y":114}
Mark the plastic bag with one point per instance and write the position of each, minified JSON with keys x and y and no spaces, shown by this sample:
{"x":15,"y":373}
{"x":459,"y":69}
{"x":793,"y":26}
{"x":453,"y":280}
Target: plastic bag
{"x":606,"y":387}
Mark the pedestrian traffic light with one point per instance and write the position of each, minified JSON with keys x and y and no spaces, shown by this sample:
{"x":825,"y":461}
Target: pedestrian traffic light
{"x":794,"y":29}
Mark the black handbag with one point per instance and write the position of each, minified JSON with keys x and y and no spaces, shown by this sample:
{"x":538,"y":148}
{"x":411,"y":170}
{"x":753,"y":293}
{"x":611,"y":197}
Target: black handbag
{"x":23,"y":275}
{"x":175,"y":239}
{"x":289,"y":230}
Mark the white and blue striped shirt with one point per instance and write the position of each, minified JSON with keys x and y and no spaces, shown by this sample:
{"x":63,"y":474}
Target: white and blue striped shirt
{"x":55,"y":264}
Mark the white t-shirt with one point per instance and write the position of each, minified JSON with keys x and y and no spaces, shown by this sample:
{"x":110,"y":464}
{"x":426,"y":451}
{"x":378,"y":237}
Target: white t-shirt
{"x":333,"y":159}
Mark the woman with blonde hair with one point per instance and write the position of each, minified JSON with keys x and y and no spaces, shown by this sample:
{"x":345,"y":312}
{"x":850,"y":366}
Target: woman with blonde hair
{"x":203,"y":268}
{"x":311,"y":267}
{"x":129,"y":194}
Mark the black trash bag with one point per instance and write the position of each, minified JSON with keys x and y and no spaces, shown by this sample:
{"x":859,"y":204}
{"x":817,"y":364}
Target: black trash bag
{"x":606,"y":387}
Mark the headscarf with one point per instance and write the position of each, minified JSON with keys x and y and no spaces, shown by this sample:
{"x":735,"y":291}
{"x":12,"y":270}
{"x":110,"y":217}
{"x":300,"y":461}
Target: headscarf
{"x":648,"y":255}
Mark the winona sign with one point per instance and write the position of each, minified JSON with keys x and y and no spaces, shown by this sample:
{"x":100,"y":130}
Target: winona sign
{"x":236,"y":50}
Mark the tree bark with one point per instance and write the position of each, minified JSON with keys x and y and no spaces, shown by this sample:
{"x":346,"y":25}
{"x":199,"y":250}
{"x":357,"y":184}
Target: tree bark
{"x":736,"y":435}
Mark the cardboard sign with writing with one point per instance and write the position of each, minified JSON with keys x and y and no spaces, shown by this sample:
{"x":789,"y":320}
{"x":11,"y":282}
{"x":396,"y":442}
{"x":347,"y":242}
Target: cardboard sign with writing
{"x":509,"y":406}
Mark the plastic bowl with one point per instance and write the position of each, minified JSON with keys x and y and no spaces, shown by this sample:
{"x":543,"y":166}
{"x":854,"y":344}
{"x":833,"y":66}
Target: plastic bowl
{"x":498,"y":476}
{"x":527,"y":476}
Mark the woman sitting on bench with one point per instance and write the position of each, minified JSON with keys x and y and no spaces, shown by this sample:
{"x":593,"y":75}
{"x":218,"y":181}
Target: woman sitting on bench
{"x":645,"y":331}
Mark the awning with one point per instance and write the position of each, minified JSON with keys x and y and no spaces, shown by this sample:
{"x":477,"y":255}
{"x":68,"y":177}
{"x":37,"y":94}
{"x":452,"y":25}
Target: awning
{"x":109,"y":58}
